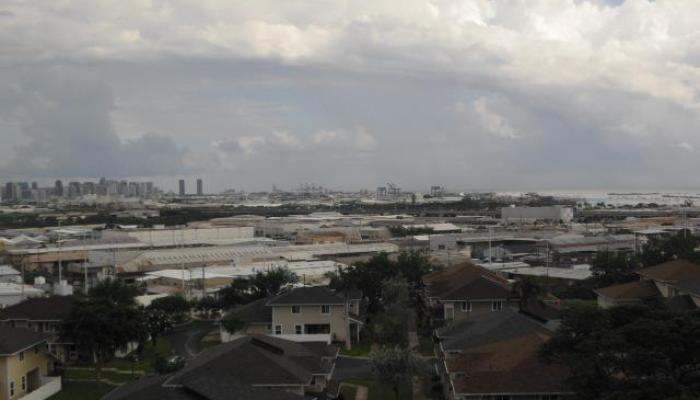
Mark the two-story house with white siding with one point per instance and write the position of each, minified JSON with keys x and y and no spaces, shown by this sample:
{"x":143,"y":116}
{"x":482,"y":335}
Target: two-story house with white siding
{"x":314,"y":313}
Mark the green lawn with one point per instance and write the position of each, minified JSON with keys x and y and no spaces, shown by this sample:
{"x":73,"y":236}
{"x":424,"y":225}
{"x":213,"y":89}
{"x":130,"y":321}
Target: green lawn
{"x":162,"y":348}
{"x":348,"y":392}
{"x":358,"y":350}
{"x":82,"y":391}
{"x":380,"y":391}
{"x":75,"y":373}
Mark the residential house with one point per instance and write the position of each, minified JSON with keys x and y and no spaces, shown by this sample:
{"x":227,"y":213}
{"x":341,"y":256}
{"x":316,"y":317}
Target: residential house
{"x":677,"y":282}
{"x":43,"y":315}
{"x":493,"y":356}
{"x":24,"y":365}
{"x":306,"y":313}
{"x":255,"y":367}
{"x":466,"y":290}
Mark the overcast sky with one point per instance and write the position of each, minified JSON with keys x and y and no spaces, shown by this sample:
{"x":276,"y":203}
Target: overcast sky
{"x":352,"y":94}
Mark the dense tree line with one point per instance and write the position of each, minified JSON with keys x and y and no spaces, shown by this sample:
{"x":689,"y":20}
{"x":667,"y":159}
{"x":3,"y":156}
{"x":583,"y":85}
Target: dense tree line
{"x":629,"y":352}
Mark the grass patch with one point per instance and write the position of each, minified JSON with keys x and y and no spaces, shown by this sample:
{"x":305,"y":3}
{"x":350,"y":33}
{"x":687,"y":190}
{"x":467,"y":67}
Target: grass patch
{"x":212,"y":339}
{"x":348,"y":392}
{"x":568,"y":303}
{"x":426,"y":346}
{"x":82,"y":391}
{"x":381,"y":391}
{"x":146,"y":359}
{"x":90,"y":374}
{"x":361,"y":349}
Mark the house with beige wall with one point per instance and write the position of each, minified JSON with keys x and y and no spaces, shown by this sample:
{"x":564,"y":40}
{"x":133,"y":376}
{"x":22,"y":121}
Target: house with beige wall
{"x":314,"y":313}
{"x":24,"y":366}
{"x":44,"y":315}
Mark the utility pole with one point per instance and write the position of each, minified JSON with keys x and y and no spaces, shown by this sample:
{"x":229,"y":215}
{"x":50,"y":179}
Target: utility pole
{"x":490,"y":246}
{"x":59,"y":252}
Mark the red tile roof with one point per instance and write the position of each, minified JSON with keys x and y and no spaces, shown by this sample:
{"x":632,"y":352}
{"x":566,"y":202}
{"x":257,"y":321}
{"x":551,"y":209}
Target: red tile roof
{"x":507,"y":367}
{"x":672,"y":271}
{"x":629,"y":291}
{"x":467,"y":281}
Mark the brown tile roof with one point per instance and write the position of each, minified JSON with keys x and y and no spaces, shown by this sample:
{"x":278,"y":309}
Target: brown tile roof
{"x":467,"y":281}
{"x":507,"y":367}
{"x":459,"y":271}
{"x":629,"y":291}
{"x":672,"y":271}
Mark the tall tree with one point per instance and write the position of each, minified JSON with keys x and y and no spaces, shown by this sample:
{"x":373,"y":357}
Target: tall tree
{"x":176,"y":306}
{"x":682,"y":245}
{"x":100,"y":327}
{"x":396,"y":367}
{"x":239,"y":292}
{"x":270,"y":282}
{"x":631,"y":352}
{"x":114,"y":292}
{"x":527,"y":288}
{"x":391,"y":325}
{"x":613,"y":267}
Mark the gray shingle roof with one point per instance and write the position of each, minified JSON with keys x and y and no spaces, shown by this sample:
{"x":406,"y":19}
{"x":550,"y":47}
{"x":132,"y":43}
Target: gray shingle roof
{"x":235,"y":369}
{"x":14,"y":340}
{"x":307,"y":295}
{"x":255,"y":312}
{"x":53,"y":308}
{"x":689,"y":286}
{"x":488,"y":328}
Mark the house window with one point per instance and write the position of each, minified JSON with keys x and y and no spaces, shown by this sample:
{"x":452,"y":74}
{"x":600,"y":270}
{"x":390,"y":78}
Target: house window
{"x":278,"y":329}
{"x":325,"y":309}
{"x":12,"y":388}
{"x":296,"y":309}
{"x":466,"y":306}
{"x":21,"y":356}
{"x":269,"y":328}
{"x":497,"y":306}
{"x":24,"y":383}
{"x":298,"y":329}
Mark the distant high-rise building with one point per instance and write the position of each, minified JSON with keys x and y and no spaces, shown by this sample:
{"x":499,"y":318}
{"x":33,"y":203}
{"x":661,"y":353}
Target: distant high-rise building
{"x":12,"y":191}
{"x":200,"y":187}
{"x":182,"y":187}
{"x":35,"y":186}
{"x":58,"y":188}
{"x":75,"y":189}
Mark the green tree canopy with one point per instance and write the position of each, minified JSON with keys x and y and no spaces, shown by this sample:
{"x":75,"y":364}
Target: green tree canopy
{"x":629,"y":352}
{"x":270,"y":282}
{"x":396,"y":366}
{"x":613,"y":267}
{"x":682,"y":245}
{"x":175,"y":305}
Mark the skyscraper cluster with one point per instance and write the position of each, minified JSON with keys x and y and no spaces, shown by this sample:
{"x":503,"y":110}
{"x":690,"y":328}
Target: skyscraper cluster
{"x":15,"y":192}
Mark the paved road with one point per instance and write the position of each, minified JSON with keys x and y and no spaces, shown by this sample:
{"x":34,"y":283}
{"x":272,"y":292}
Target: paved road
{"x":185,"y":339}
{"x":348,"y":368}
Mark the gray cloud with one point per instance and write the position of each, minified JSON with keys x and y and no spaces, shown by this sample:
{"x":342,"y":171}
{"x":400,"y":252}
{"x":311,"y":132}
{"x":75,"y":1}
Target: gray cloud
{"x":480,"y":94}
{"x":63,"y":116}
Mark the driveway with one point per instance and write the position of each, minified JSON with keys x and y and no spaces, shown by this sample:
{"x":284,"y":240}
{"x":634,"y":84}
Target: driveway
{"x":185,"y":339}
{"x":350,"y":367}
